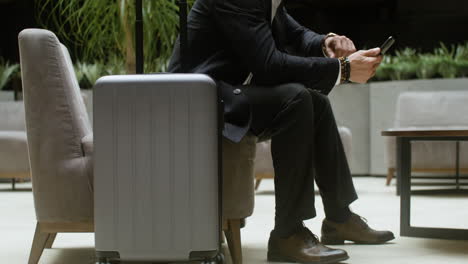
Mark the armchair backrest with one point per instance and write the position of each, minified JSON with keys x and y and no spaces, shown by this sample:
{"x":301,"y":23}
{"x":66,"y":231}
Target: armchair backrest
{"x":56,"y":122}
{"x":432,"y":109}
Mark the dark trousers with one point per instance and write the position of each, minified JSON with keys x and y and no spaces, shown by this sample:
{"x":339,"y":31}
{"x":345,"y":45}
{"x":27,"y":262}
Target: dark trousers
{"x":305,"y":145}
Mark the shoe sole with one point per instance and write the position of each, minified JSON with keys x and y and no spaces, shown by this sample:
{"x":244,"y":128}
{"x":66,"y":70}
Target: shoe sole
{"x":277,"y":258}
{"x":338,"y":241}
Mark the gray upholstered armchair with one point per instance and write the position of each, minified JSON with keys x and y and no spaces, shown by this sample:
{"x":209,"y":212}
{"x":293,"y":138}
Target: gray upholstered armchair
{"x":238,"y":190}
{"x":56,"y":124}
{"x":61,"y":147}
{"x":14,"y":161}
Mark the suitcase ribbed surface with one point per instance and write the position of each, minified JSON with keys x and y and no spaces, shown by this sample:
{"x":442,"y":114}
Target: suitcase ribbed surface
{"x":156,"y":174}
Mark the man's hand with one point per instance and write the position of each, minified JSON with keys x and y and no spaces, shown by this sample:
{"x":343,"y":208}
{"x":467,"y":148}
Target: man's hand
{"x":339,"y":46}
{"x":363,"y":64}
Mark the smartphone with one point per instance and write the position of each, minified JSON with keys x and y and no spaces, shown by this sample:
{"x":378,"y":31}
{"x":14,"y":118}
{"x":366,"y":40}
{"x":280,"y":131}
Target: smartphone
{"x":387,"y":44}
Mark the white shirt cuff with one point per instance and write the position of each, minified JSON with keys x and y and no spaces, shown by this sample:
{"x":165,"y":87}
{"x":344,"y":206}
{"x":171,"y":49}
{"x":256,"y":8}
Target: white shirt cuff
{"x":339,"y":74}
{"x":339,"y":69}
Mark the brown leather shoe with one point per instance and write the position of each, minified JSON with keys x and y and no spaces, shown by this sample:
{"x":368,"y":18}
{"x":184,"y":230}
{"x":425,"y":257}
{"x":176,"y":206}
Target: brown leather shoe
{"x":302,"y":247}
{"x":355,"y":229}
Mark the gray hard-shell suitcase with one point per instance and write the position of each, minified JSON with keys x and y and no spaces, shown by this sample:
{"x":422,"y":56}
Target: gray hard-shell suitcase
{"x":157,"y":168}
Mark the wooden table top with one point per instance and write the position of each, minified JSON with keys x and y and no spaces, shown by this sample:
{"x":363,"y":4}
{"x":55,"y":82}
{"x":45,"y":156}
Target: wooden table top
{"x":416,"y":132}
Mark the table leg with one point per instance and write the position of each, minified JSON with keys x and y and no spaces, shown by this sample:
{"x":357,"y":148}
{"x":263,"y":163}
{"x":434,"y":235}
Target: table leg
{"x":404,"y":188}
{"x":457,"y":165}
{"x":398,"y":175}
{"x":404,"y":177}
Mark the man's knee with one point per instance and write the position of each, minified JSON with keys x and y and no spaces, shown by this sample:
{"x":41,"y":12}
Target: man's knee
{"x":295,"y":92}
{"x":291,"y":89}
{"x":302,"y":104}
{"x":320,"y":100}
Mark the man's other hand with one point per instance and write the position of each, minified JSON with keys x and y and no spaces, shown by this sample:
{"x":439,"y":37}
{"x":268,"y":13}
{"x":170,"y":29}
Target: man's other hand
{"x":339,"y":46}
{"x":363,"y":64}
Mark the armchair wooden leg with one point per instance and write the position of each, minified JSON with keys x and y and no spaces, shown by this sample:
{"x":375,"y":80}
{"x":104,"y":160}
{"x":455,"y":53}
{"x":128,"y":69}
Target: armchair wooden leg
{"x":390,"y":174}
{"x":50,"y":240}
{"x":233,"y":237}
{"x":222,"y":238}
{"x":39,"y":243}
{"x":257,"y":183}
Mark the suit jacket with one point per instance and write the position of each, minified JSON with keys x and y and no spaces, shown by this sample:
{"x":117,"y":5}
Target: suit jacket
{"x":228,"y":39}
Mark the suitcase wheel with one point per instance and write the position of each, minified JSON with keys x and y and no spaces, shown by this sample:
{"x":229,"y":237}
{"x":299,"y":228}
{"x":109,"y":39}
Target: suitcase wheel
{"x":219,"y":259}
{"x":105,"y":261}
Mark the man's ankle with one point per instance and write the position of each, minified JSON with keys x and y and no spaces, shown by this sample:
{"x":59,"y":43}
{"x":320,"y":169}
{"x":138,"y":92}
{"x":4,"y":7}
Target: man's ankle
{"x":287,"y":230}
{"x":338,"y":215}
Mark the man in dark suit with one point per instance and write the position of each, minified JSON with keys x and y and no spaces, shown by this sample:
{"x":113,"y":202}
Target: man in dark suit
{"x":274,"y":76}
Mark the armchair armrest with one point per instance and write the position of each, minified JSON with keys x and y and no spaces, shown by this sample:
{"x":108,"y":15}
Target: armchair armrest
{"x":87,"y":144}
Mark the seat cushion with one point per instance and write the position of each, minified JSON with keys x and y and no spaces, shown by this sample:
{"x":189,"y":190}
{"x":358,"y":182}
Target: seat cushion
{"x":432,"y":110}
{"x":13,"y":152}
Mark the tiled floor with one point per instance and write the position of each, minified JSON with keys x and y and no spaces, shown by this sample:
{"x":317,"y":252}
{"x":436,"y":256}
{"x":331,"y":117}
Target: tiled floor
{"x":377,"y":203}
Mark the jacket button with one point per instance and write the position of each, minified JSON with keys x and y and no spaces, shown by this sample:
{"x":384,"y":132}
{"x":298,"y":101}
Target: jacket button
{"x":237,"y":91}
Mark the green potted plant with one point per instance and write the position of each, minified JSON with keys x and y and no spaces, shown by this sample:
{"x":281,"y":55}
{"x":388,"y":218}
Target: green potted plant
{"x":104,"y":27}
{"x":443,"y":62}
{"x":88,"y":73}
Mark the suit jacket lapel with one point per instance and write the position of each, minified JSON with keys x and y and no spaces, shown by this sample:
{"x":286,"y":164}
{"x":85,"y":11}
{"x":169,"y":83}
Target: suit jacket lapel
{"x":272,"y":5}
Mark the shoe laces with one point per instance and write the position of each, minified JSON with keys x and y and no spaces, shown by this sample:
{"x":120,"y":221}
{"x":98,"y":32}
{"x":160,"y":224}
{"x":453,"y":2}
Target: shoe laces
{"x":310,"y":237}
{"x":363,"y":222}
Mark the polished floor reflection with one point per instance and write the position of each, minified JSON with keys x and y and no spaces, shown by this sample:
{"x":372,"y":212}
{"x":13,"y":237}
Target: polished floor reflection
{"x":377,"y":203}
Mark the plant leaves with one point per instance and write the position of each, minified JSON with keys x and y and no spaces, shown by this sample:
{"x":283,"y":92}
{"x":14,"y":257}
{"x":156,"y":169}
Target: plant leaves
{"x":7,"y":71}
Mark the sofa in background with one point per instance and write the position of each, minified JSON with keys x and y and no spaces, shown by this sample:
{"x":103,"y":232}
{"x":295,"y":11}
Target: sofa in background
{"x":14,"y":160}
{"x":430,"y":110}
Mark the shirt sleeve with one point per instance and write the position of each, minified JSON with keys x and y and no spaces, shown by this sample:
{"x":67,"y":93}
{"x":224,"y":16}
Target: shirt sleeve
{"x":299,"y":39}
{"x":338,"y":80}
